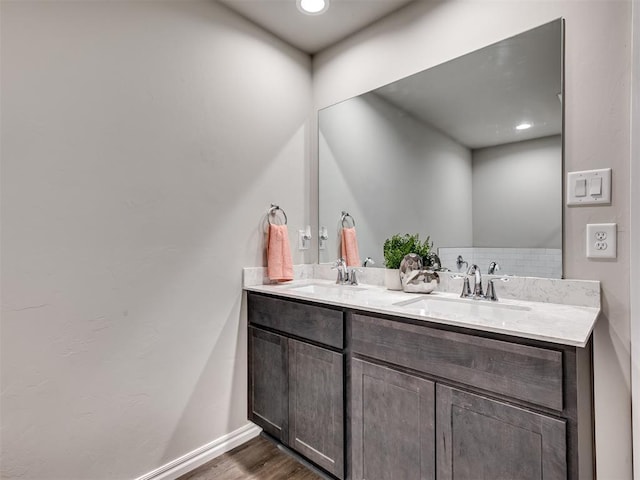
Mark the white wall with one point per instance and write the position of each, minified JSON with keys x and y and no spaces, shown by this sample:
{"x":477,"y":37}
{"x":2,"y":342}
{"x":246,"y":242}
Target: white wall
{"x":368,"y":145}
{"x":528,"y":174}
{"x":635,"y":239}
{"x":597,"y":104}
{"x":142,"y":143}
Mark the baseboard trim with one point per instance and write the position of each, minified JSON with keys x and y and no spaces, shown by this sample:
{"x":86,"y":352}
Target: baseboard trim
{"x":203,"y":454}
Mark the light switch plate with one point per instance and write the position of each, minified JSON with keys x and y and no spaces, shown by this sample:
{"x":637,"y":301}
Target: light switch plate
{"x":577,"y":181}
{"x":304,"y":238}
{"x":602,"y":240}
{"x":323,"y":236}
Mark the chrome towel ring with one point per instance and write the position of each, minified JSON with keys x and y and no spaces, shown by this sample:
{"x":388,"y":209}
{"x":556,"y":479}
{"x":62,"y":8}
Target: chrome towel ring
{"x":273,"y":211}
{"x":345,"y":217}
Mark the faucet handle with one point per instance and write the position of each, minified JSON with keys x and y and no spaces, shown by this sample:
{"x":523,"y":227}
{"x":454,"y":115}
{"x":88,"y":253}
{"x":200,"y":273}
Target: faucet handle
{"x":353,"y":278}
{"x":339,"y":263}
{"x":461,"y":261}
{"x":493,"y":268}
{"x":491,"y":288}
{"x":343,"y":272}
{"x":491,"y":291}
{"x":466,"y":288}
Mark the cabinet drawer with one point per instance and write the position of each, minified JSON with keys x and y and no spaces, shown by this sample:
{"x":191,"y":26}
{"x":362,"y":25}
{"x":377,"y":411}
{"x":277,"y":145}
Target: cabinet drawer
{"x":527,"y":373}
{"x":318,"y":324}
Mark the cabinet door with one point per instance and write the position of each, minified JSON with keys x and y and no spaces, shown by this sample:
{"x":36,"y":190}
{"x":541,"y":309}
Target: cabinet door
{"x":392,"y":420}
{"x":316,"y":405}
{"x":268,"y":382}
{"x":480,"y":438}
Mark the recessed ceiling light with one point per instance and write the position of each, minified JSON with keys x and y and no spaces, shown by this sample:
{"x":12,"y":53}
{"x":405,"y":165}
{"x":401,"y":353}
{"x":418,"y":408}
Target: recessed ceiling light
{"x":313,"y":7}
{"x":524,"y":126}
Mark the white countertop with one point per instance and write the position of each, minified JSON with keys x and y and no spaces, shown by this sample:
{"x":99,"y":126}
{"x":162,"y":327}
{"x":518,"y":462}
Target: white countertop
{"x":549,"y":322}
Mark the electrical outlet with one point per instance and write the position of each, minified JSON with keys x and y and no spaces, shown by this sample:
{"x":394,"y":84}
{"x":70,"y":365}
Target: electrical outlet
{"x":601,"y":245}
{"x":601,"y":240}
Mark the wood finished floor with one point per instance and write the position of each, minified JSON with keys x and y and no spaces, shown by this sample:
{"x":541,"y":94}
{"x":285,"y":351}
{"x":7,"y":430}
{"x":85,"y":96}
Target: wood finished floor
{"x":258,"y":459}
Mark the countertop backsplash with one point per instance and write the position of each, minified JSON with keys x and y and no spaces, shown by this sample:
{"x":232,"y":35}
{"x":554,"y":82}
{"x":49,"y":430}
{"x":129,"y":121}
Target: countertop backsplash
{"x":550,"y":290}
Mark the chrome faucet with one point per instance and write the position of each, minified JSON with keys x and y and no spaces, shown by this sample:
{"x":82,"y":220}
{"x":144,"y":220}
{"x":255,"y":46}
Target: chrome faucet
{"x":343,"y":271}
{"x":346,"y":275}
{"x":477,"y":284}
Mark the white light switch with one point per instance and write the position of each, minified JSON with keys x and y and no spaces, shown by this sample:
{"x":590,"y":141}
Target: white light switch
{"x":323,"y":237}
{"x":304,"y":237}
{"x":602,"y":240}
{"x":589,"y":187}
{"x":595,"y":186}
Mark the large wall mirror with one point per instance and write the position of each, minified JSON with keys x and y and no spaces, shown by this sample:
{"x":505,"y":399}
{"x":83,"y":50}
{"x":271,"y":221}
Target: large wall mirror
{"x":468,"y":153}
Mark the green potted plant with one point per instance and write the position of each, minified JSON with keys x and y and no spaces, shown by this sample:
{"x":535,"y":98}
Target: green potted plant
{"x":395,"y":249}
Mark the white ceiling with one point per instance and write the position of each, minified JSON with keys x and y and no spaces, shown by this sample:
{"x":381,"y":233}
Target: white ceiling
{"x":313,"y":33}
{"x":479,"y":98}
{"x":512,"y":81}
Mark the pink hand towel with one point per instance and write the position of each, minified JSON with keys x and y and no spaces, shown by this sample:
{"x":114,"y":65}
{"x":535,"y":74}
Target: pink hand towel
{"x":350,"y":247}
{"x":279,"y":264}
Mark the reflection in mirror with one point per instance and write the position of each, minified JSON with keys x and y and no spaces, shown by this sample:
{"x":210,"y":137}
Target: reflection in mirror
{"x":468,"y":152}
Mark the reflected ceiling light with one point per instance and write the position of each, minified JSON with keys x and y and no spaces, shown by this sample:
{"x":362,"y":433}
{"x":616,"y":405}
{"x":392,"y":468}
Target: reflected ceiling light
{"x":524,"y":126}
{"x":313,"y":7}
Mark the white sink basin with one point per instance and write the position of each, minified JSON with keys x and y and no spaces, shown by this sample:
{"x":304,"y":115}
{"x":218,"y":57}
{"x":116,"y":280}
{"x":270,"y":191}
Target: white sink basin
{"x":327,"y":289}
{"x":463,"y":307}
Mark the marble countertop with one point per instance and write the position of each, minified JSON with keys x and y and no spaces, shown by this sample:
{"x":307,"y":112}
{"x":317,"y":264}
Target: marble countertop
{"x":550,"y":322}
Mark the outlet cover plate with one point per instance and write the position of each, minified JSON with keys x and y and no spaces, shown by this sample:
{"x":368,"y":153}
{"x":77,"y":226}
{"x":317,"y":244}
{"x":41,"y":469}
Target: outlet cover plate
{"x":601,"y":240}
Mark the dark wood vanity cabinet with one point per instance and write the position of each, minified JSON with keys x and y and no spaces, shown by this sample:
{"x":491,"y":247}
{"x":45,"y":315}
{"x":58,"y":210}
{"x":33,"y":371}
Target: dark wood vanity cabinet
{"x":482,"y":438}
{"x":433,"y":403}
{"x":392,"y":424}
{"x":424,"y":401}
{"x":296,"y":389}
{"x":316,"y":406}
{"x":269,"y":382}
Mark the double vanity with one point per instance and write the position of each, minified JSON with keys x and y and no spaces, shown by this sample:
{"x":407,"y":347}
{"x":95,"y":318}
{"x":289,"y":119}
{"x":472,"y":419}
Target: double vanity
{"x":369,"y":383}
